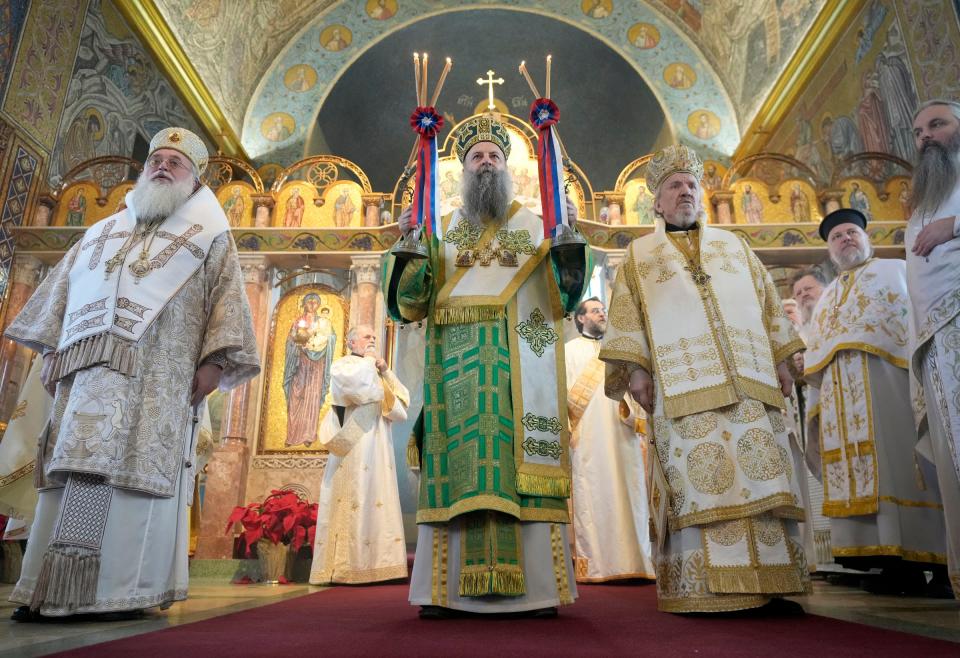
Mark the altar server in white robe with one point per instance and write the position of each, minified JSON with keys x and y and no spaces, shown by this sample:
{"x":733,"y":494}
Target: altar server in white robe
{"x":139,"y":321}
{"x":882,"y":499}
{"x":611,"y":521}
{"x":933,"y":278}
{"x":698,"y":336}
{"x":359,"y":536}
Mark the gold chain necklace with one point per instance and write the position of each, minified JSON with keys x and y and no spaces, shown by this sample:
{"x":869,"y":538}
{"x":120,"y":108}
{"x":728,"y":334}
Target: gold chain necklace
{"x":141,"y":266}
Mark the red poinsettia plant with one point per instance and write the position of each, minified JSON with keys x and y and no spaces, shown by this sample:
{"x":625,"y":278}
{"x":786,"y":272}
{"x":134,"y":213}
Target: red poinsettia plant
{"x":282,"y":517}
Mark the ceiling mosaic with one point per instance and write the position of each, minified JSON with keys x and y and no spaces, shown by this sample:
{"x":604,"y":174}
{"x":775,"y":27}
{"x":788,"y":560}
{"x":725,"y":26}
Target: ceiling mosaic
{"x":271,"y":65}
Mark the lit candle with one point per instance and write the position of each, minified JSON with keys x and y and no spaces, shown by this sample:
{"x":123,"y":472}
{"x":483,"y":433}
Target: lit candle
{"x":423,"y":79}
{"x":443,"y":76}
{"x":526,"y":76}
{"x":416,"y":71}
{"x":549,"y":60}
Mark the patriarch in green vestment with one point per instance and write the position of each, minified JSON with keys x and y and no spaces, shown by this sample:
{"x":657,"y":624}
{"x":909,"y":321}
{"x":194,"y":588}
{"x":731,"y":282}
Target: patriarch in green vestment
{"x":492,"y":442}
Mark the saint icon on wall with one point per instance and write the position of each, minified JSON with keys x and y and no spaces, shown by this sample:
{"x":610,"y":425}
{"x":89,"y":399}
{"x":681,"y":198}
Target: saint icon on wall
{"x":234,"y":207}
{"x":76,"y":209}
{"x":309,"y":350}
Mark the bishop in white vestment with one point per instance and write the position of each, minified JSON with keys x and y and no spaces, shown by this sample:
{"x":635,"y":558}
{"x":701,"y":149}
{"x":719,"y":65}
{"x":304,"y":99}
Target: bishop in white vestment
{"x":933,"y":278}
{"x":611,"y":522}
{"x":359,"y":536}
{"x":699,"y":338}
{"x":882,"y":499}
{"x":139,"y":321}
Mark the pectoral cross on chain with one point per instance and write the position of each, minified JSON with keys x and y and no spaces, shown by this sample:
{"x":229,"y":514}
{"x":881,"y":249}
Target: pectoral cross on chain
{"x":98,"y":243}
{"x":699,"y":276}
{"x":490,"y":82}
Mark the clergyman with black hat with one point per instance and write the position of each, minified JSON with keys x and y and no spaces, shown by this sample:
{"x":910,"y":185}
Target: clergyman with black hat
{"x":492,"y":443}
{"x":698,"y":336}
{"x":882,"y":500}
{"x":143,"y":317}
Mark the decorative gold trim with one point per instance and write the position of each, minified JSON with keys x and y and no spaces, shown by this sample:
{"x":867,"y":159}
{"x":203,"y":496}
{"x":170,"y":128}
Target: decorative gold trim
{"x":23,"y":471}
{"x":496,"y":504}
{"x":715,"y":603}
{"x":808,"y":59}
{"x":781,"y":354}
{"x":910,"y":503}
{"x":889,"y":550}
{"x":355,"y":577}
{"x":619,"y":576}
{"x":782,"y":505}
{"x":560,"y":565}
{"x":775,"y":579}
{"x":152,"y":29}
{"x":862,"y":347}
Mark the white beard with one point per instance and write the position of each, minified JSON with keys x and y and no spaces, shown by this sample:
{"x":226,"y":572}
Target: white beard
{"x":153,"y":201}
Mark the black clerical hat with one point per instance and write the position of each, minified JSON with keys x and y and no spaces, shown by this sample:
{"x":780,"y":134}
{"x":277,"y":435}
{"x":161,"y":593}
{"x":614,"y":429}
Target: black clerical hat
{"x":841,"y":216}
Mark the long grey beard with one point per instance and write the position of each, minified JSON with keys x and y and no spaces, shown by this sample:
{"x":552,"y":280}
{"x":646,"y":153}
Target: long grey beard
{"x":935,"y":175}
{"x":486,"y":194}
{"x":154,"y":201}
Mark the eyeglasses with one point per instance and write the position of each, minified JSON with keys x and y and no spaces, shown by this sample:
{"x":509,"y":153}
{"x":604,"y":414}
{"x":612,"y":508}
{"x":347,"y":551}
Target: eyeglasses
{"x":173,"y":163}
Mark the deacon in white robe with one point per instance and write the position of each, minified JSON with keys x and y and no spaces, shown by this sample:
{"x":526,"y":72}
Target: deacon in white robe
{"x":611,"y":522}
{"x":699,"y":338}
{"x":933,"y":278}
{"x":359,"y":535}
{"x":139,"y":321}
{"x":882,"y":500}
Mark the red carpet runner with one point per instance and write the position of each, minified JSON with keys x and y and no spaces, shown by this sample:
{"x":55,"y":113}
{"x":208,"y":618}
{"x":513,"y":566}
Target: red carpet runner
{"x":607,"y":620}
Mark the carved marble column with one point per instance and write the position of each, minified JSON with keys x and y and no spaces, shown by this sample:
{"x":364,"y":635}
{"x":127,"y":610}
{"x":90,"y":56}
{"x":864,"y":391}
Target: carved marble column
{"x":262,"y":205}
{"x":24,"y":277}
{"x":832,"y":200}
{"x":227,"y":468}
{"x":723,"y":204}
{"x":365,"y":304}
{"x":614,"y":259}
{"x":371,"y":209}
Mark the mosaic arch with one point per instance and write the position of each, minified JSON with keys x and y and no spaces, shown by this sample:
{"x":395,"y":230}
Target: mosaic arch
{"x":616,"y":28}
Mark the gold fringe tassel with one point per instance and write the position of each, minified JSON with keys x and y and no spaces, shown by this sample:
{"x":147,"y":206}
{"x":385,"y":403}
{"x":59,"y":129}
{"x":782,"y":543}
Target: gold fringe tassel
{"x":749,"y":580}
{"x":467,"y":314}
{"x":530,"y":484}
{"x":102,"y":349}
{"x":413,"y":453}
{"x":68,"y":578}
{"x":503,"y":580}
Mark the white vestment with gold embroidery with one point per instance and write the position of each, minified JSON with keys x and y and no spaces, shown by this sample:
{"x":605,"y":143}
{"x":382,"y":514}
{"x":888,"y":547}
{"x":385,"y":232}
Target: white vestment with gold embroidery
{"x":359,"y":535}
{"x":875,"y":488}
{"x":725,"y":499}
{"x":609,"y":482}
{"x":934,"y":284}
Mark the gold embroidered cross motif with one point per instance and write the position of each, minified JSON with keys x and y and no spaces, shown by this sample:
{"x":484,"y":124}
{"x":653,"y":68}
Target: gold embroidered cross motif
{"x":536,"y":332}
{"x":465,"y":236}
{"x":661,"y":262}
{"x":177,"y":242}
{"x":720,"y":252}
{"x":101,"y":241}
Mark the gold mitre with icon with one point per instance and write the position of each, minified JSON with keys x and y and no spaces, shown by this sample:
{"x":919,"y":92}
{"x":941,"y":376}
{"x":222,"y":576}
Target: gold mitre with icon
{"x":482,"y":129}
{"x":184,"y":141}
{"x":674,"y":159}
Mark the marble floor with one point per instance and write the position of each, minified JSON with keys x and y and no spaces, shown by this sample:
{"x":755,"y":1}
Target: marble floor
{"x":210,"y":597}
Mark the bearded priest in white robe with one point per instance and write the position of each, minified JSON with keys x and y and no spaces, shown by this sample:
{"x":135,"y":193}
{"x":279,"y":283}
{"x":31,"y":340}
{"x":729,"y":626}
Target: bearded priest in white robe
{"x":698,"y":336}
{"x":933,"y":278}
{"x":882,"y":499}
{"x":140,"y":320}
{"x":359,"y":536}
{"x":611,"y":523}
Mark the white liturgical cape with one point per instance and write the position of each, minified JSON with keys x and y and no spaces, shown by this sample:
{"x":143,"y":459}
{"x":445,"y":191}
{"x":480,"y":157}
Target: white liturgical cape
{"x":359,"y":536}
